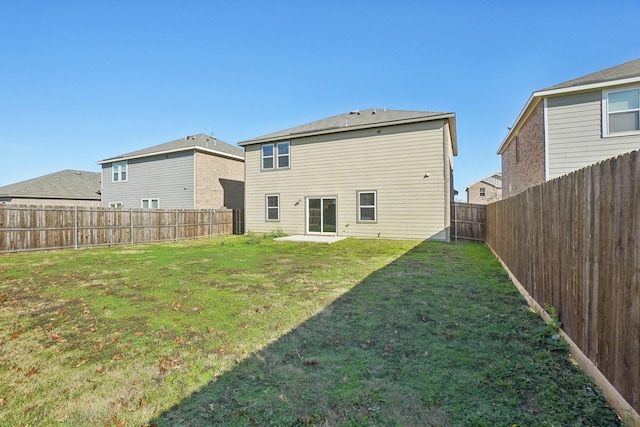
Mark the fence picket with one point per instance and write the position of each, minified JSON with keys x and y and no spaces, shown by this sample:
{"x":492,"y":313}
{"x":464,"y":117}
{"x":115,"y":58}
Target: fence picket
{"x":468,"y":221}
{"x":25,"y":228}
{"x":574,"y":243}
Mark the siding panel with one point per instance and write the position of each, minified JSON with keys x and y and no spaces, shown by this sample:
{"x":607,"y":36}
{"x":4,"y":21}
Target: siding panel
{"x":575,"y":134}
{"x":160,"y":177}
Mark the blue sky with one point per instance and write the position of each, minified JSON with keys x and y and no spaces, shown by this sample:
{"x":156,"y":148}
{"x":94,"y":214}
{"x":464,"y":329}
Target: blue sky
{"x":81,"y":81}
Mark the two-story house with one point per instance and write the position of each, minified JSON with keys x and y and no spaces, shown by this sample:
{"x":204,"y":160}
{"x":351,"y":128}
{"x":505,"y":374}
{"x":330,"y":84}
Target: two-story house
{"x":195,"y":172}
{"x":372,"y":173}
{"x":487,"y":190}
{"x":572,"y":125}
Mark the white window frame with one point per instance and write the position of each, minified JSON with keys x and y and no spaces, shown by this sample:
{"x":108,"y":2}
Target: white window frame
{"x":276,"y":156}
{"x":483,"y":191}
{"x":268,"y":208}
{"x":119,"y":172}
{"x":150,"y":203}
{"x":116,"y":205}
{"x":605,"y":112}
{"x":287,"y":155}
{"x":374,"y":206}
{"x":272,"y":157}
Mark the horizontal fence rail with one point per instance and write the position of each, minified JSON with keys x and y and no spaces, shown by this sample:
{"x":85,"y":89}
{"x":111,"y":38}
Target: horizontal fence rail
{"x":28,"y":228}
{"x":574,"y":244}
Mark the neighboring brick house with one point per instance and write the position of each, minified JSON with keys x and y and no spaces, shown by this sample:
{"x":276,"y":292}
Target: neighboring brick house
{"x":195,"y":172}
{"x":63,"y":188}
{"x":487,"y":190}
{"x":572,"y":125}
{"x":371,"y":173}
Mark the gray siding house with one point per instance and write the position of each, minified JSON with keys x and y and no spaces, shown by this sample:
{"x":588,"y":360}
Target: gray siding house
{"x":63,"y":188}
{"x":195,"y":172}
{"x":572,"y":125}
{"x":372,"y":173}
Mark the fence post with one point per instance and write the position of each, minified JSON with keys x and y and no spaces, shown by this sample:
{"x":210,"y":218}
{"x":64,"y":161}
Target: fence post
{"x":176,"y":225}
{"x":131,"y":223}
{"x":455,"y":223}
{"x":75,"y":227}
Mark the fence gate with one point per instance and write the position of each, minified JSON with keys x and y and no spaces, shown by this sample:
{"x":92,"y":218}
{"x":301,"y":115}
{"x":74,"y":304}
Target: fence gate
{"x":468,"y":222}
{"x":238,"y":221}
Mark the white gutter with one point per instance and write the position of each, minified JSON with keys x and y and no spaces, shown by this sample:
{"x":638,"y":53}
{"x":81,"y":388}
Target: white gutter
{"x":546,"y":139}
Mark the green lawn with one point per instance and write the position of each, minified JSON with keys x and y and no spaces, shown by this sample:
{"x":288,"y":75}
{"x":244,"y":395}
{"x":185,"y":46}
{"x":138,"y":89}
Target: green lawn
{"x":248,"y":331}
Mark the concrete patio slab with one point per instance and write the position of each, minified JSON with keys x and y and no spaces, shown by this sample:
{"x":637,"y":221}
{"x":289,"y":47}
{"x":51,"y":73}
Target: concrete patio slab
{"x":311,"y":239}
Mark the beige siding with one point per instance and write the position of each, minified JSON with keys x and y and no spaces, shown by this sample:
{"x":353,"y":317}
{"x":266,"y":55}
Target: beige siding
{"x":492,"y":194}
{"x":574,"y":134}
{"x":391,"y":161}
{"x":449,"y":190}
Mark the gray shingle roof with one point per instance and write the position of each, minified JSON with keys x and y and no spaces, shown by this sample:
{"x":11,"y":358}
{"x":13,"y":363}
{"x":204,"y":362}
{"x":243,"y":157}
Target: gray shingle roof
{"x":66,"y":184}
{"x":350,"y":121}
{"x":494,"y":180}
{"x":603,"y":78}
{"x":619,"y":72}
{"x":200,"y":142}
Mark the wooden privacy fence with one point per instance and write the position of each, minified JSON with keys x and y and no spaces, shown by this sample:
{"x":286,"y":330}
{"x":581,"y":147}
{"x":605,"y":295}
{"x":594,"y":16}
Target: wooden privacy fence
{"x":467,"y":222}
{"x":25,"y":228}
{"x":574,"y":243}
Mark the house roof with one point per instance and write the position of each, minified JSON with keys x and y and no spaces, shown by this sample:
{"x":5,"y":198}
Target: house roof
{"x":66,"y":184}
{"x":355,"y":120}
{"x":494,"y":180}
{"x":199,"y":142}
{"x":626,"y":73}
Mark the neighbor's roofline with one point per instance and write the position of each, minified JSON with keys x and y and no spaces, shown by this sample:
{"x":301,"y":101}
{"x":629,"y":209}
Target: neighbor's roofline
{"x":536,"y":96}
{"x":175,"y":150}
{"x":303,"y":134}
{"x":50,"y":196}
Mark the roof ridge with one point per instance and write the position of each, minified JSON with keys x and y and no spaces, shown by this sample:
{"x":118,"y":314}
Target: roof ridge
{"x":356,"y":119}
{"x":188,"y":142}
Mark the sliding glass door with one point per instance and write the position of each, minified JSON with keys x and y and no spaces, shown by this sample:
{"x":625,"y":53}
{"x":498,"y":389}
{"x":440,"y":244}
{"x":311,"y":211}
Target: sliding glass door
{"x":321,"y":215}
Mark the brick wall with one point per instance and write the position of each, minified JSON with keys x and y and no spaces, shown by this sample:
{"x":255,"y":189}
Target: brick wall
{"x":219,"y":182}
{"x":523,"y":159}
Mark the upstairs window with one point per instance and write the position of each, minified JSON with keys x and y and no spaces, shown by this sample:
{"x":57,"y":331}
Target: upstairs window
{"x":275,"y":156}
{"x":483,"y":191}
{"x":622,"y":111}
{"x":267,"y":156}
{"x":120,"y":171}
{"x":283,"y":154}
{"x":367,"y":210}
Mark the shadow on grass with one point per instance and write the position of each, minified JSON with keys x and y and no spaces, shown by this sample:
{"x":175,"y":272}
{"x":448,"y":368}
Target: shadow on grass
{"x":439,"y":337}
